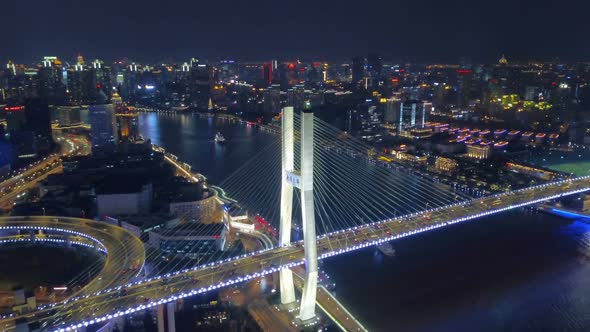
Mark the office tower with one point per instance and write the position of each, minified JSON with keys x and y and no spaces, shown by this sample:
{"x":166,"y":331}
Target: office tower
{"x":23,"y":143}
{"x":272,"y":99}
{"x":358,"y":70}
{"x":130,"y":82}
{"x":375,"y":68}
{"x":6,"y":156}
{"x":77,"y":84}
{"x":35,"y":133}
{"x":38,"y":118}
{"x":66,"y":116}
{"x":101,"y":77}
{"x":50,"y":80}
{"x":127,"y":122}
{"x":15,"y":117}
{"x":392,"y":109}
{"x":103,"y":125}
{"x":267,"y":73}
{"x":296,"y":97}
{"x":464,"y":80}
{"x":413,"y":113}
{"x":200,"y":84}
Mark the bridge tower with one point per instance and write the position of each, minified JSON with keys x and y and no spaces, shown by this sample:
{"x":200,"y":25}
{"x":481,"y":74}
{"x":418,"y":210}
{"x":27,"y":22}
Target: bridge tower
{"x":303,"y":180}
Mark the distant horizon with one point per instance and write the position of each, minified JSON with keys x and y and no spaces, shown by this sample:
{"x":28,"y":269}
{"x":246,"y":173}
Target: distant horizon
{"x":180,"y":60}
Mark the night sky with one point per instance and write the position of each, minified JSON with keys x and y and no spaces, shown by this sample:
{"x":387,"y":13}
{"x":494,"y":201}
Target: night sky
{"x":419,"y":30}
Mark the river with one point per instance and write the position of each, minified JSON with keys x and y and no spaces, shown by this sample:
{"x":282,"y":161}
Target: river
{"x":516,"y":271}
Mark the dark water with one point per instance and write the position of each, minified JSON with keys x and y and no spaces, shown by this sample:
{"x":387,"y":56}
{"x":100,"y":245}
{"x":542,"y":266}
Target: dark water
{"x":191,"y":138}
{"x":511,"y":272}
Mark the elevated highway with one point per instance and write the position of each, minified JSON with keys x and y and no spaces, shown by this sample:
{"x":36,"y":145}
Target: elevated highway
{"x":125,"y":254}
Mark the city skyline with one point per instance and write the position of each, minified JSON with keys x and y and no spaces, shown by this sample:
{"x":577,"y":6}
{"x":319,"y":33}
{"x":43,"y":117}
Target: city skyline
{"x":303,"y":166}
{"x":428,"y":31}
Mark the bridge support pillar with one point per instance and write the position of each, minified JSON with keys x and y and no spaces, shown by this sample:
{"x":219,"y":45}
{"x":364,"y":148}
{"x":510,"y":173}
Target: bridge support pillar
{"x":308,"y":298}
{"x":170,"y":308}
{"x":287,"y":287}
{"x":160,"y":318}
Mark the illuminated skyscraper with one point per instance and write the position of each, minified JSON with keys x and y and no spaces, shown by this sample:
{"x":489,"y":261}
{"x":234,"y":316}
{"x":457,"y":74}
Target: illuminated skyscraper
{"x":200,"y":84}
{"x":101,"y":77}
{"x":412,"y":113}
{"x":127,"y":124}
{"x":392,"y":109}
{"x":78,"y":80}
{"x":103,"y":125}
{"x":50,"y":76}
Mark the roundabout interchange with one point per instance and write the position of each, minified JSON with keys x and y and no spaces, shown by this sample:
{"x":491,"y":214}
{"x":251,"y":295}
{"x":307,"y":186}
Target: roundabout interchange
{"x":125,"y":256}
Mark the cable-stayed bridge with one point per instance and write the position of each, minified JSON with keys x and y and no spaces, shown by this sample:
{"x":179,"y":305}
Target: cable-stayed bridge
{"x":353,"y":201}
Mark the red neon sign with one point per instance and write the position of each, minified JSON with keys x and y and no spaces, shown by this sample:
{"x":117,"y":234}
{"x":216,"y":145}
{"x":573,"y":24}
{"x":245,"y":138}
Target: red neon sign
{"x":14,"y":108}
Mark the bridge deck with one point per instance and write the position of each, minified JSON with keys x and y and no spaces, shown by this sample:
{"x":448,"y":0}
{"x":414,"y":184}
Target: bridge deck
{"x":154,"y":291}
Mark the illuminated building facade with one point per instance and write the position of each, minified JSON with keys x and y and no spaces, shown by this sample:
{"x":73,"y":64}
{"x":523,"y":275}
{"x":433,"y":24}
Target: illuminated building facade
{"x":103,"y":126}
{"x":272,"y":99}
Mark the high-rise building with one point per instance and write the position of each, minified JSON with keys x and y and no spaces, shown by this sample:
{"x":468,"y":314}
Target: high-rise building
{"x":272,"y":99}
{"x":131,"y":80}
{"x":127,"y":123}
{"x":296,"y":97}
{"x":267,"y":73}
{"x":6,"y":156}
{"x":50,"y":79}
{"x":392,"y":110}
{"x":375,"y":68}
{"x":358,"y":70}
{"x":464,"y":80}
{"x":101,"y":77}
{"x":412,"y":113}
{"x":67,"y":115}
{"x":200,"y":83}
{"x":38,"y":120}
{"x":24,"y":145}
{"x":78,"y":83}
{"x":15,"y":117}
{"x":103,"y":125}
{"x":11,"y":67}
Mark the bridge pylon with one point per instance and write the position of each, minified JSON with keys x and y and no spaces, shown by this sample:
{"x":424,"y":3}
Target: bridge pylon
{"x":286,"y":211}
{"x":303,"y":180}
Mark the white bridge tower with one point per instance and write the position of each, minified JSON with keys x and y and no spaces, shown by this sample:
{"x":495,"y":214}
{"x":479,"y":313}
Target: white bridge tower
{"x":303,"y":180}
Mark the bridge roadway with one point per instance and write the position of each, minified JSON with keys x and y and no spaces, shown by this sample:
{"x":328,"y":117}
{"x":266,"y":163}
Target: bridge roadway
{"x":51,"y":238}
{"x":137,"y":296}
{"x":11,"y":188}
{"x":124,"y":260}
